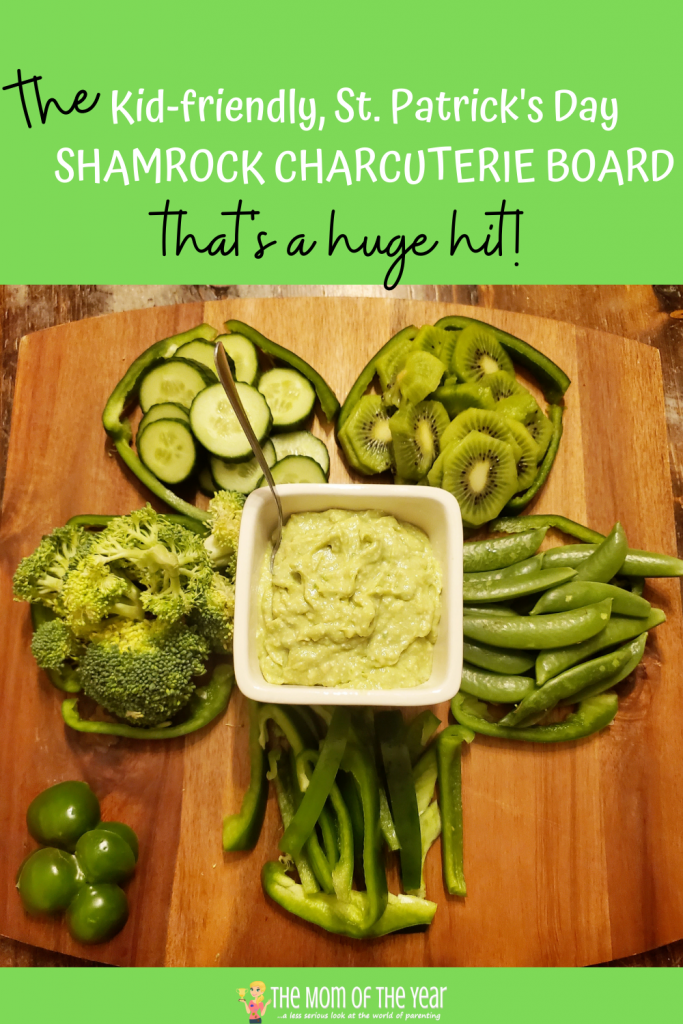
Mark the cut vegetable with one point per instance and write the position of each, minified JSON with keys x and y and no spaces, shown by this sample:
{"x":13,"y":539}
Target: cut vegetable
{"x":199,"y":352}
{"x":289,"y":395}
{"x":244,"y":356}
{"x":296,"y":469}
{"x":164,"y":411}
{"x":241,"y":476}
{"x":302,"y":442}
{"x":175,"y":380}
{"x":167,"y":448}
{"x":215,"y":425}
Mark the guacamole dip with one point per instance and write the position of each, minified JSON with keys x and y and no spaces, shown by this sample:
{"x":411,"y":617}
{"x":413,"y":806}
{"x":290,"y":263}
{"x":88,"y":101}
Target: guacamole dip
{"x":354,"y":600}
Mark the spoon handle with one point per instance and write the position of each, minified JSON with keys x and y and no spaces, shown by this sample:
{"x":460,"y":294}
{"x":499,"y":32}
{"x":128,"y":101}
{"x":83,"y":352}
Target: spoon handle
{"x":226,"y":379}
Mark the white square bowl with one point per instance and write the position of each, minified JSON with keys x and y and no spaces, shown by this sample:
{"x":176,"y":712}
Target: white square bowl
{"x":432,"y":509}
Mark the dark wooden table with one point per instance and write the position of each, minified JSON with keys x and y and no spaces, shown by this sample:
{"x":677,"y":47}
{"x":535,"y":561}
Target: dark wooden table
{"x":652,"y":315}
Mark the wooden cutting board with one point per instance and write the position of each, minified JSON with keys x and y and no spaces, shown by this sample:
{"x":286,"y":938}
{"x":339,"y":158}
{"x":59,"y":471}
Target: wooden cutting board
{"x":573,"y":853}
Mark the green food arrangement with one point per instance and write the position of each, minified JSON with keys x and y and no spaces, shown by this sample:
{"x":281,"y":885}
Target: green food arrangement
{"x":136,"y":612}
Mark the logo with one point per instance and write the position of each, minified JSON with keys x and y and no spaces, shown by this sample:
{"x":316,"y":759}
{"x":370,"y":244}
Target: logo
{"x":254,"y":1005}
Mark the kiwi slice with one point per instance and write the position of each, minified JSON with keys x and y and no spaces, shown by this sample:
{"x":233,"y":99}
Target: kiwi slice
{"x":447,"y":349}
{"x":416,"y":431}
{"x":486,"y":421}
{"x":526,"y":410}
{"x":457,"y":397}
{"x":479,"y":353}
{"x":366,"y":438}
{"x":420,"y":376}
{"x":480,"y":473}
{"x":527,"y":463}
{"x":502,"y":385}
{"x":392,"y":360}
{"x":431,"y":339}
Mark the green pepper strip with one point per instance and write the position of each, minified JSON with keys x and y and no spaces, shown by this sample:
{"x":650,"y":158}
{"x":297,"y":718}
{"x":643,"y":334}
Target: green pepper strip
{"x":520,"y":501}
{"x":345,"y":917}
{"x":491,"y":686}
{"x":367,"y":374}
{"x":551,"y":378}
{"x":328,"y":834}
{"x":511,"y":587}
{"x":281,"y":773}
{"x":65,"y":679}
{"x":569,"y":683}
{"x":303,"y":823}
{"x":342,"y":871}
{"x":448,"y":744}
{"x":120,"y":429}
{"x":500,"y":552}
{"x":189,"y":522}
{"x":637,"y":648}
{"x":361,"y":764}
{"x":419,"y":732}
{"x":636,"y":563}
{"x":591,"y":715}
{"x":396,"y":758}
{"x":206,"y":703}
{"x":550,"y":663}
{"x":520,"y":524}
{"x":326,"y":396}
{"x":348,"y":788}
{"x":424,"y":778}
{"x":241,"y":830}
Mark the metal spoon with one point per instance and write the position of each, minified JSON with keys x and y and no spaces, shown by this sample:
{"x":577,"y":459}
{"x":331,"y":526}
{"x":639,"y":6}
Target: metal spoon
{"x":226,"y":379}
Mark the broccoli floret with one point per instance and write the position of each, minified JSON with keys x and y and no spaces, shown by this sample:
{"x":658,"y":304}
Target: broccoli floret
{"x":93,"y":592}
{"x":40,"y":577}
{"x":142,"y":672}
{"x":168,"y":561}
{"x":54,"y":645}
{"x":225,"y":516}
{"x":214,"y":612}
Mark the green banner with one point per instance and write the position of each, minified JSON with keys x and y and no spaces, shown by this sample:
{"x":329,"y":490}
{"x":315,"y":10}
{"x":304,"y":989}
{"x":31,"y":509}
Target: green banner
{"x":524,"y":143}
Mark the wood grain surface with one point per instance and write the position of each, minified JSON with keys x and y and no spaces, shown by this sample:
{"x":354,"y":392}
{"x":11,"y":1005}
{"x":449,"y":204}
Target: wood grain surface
{"x":573,"y":854}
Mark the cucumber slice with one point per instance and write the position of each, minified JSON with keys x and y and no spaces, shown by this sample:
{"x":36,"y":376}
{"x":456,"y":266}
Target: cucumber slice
{"x":167,"y":448}
{"x":296,"y":469}
{"x":174,"y":380}
{"x":199,"y":352}
{"x":328,"y":400}
{"x":244,"y":355}
{"x":302,"y":442}
{"x":289,"y":395}
{"x":215,"y":425}
{"x":164,"y":411}
{"x":241,"y":476}
{"x":205,"y":482}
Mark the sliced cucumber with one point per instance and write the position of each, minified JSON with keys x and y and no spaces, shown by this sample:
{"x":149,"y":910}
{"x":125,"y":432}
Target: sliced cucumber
{"x":216,"y":427}
{"x":174,"y":380}
{"x":243,"y":353}
{"x":296,"y":469}
{"x":199,"y":352}
{"x":164,"y":411}
{"x":302,"y":442}
{"x":205,"y":482}
{"x":241,"y":476}
{"x":289,"y":395}
{"x":167,"y":448}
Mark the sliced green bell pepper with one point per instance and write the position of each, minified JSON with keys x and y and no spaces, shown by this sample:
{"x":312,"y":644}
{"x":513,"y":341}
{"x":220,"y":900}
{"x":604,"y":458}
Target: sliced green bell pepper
{"x":396,"y":759}
{"x":448,"y":744}
{"x":361,"y":764}
{"x":241,"y":830}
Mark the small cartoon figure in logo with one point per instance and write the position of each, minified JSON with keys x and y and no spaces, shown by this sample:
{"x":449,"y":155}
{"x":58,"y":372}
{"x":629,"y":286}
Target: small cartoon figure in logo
{"x":255,"y":1008}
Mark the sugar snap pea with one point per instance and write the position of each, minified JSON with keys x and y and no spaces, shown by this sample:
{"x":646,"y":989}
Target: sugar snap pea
{"x":637,"y":649}
{"x":499,"y":552}
{"x":591,"y":715}
{"x":494,"y":610}
{"x":512,"y":587}
{"x":497,"y":659}
{"x":636,"y":563}
{"x":491,"y":686}
{"x":573,"y":681}
{"x":579,"y":593}
{"x":520,"y":524}
{"x":527,"y":565}
{"x":607,"y":559}
{"x":551,"y":662}
{"x":538,"y":632}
